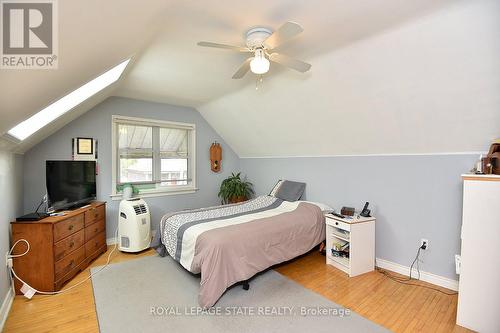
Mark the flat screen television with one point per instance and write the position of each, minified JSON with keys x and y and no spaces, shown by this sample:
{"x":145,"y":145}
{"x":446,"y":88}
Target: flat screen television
{"x":70,"y":184}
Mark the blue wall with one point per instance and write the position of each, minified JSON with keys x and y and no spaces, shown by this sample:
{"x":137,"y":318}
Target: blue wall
{"x":11,"y":196}
{"x":96,"y":123}
{"x":412,"y":197}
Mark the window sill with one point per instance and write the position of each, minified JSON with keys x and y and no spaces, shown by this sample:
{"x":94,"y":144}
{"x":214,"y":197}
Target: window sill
{"x":156,"y":193}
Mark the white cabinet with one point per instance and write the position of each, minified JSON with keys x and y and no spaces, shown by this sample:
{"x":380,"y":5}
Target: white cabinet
{"x":479,"y":284}
{"x":358,"y":236}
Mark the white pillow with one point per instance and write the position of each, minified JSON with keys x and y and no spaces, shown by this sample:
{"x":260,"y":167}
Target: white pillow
{"x":324,"y":207}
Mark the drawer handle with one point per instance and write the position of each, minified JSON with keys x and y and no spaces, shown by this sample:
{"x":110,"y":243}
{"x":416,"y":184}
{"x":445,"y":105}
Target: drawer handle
{"x":71,"y":244}
{"x":71,"y":263}
{"x":336,"y":223}
{"x":70,"y":227}
{"x":96,"y":229}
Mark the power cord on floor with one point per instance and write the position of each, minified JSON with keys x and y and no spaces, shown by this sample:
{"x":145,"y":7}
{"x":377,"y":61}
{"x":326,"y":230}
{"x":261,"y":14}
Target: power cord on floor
{"x":409,"y":278}
{"x":30,"y":289}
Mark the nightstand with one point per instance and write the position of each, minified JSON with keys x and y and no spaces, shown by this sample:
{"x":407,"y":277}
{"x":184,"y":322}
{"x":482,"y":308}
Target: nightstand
{"x":353,"y":242}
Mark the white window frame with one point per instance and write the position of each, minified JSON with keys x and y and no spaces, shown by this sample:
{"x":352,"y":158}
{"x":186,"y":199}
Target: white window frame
{"x":160,"y":190}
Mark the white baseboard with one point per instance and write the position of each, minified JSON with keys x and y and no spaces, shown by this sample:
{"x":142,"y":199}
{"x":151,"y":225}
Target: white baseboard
{"x":4,"y":310}
{"x":424,"y":276}
{"x":111,"y":241}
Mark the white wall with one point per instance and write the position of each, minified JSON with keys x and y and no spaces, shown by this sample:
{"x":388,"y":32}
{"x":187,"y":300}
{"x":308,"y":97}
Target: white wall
{"x":11,"y":186}
{"x":428,"y":86}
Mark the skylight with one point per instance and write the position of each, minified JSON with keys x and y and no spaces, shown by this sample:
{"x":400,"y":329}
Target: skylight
{"x":23,"y":130}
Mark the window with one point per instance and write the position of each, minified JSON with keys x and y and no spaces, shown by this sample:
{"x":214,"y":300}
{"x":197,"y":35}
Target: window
{"x":26,"y":128}
{"x":157,"y":157}
{"x":135,"y":152}
{"x":173,"y":156}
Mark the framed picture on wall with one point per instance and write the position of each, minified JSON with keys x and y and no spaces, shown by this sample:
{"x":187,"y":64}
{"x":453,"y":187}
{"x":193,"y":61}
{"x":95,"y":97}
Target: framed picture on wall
{"x":84,"y":149}
{"x":84,"y":146}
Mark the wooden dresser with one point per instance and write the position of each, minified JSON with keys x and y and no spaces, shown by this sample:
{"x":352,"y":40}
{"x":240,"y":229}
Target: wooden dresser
{"x":60,"y":246}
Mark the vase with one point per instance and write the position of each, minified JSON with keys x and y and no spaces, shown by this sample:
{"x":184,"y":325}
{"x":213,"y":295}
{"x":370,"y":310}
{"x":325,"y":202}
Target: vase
{"x":237,"y":199}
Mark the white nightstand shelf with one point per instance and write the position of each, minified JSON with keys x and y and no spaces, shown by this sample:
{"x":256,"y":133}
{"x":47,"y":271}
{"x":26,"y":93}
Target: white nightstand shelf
{"x":358,"y":234}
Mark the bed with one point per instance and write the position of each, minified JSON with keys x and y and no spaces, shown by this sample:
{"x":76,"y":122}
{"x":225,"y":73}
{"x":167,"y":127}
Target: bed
{"x":231,"y":243}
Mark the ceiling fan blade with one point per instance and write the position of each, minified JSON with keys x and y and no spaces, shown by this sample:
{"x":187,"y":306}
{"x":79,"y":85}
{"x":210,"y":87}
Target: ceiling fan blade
{"x":224,"y":46}
{"x":284,"y":33}
{"x":290,"y":62}
{"x":244,"y":68}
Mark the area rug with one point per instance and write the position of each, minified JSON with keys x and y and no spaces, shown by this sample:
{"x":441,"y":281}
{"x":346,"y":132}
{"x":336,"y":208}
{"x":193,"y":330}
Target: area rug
{"x":155,"y":294}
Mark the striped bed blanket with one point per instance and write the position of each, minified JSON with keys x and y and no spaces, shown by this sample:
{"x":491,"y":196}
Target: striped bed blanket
{"x":231,"y":243}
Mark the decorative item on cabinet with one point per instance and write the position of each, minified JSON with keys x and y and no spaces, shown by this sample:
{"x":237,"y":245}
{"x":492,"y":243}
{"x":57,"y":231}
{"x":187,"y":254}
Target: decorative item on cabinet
{"x":491,"y":163}
{"x":215,"y":157}
{"x":347,"y":211}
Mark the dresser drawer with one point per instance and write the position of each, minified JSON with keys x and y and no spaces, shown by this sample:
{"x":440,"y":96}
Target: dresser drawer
{"x":68,"y":244}
{"x":67,"y":227}
{"x":66,"y":264}
{"x":95,"y":244}
{"x":96,"y":254}
{"x":78,"y":268}
{"x":95,"y":214}
{"x":92,"y":230}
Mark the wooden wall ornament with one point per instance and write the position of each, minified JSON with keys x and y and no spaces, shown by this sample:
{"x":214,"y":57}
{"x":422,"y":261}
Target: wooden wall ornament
{"x":215,"y":157}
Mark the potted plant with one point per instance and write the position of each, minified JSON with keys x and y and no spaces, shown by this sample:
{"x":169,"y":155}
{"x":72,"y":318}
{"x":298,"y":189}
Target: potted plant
{"x":234,"y":189}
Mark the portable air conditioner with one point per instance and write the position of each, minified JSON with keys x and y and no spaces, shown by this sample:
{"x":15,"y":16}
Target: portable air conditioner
{"x":134,"y":225}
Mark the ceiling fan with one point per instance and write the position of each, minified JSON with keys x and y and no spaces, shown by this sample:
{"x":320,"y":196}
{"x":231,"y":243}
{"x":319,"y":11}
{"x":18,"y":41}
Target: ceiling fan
{"x":262,"y":41}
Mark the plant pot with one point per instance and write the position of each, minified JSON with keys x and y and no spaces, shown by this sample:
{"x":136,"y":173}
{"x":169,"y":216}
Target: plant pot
{"x":237,"y":199}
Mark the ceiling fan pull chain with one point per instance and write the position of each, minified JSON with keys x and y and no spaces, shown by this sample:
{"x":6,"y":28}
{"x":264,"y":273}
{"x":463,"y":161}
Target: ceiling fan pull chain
{"x":258,"y":82}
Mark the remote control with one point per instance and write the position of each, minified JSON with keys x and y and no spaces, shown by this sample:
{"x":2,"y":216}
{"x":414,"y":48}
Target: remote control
{"x":338,"y":215}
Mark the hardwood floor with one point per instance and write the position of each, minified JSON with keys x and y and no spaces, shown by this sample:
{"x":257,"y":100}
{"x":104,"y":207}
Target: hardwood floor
{"x":398,"y":307}
{"x":73,"y":311}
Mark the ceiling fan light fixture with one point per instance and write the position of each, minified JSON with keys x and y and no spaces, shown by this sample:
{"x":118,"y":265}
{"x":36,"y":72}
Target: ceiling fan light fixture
{"x":263,"y":41}
{"x":259,"y":64}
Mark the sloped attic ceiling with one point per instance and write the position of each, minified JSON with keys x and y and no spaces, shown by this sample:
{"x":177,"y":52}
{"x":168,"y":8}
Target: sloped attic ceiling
{"x":431,"y":85}
{"x":424,"y":71}
{"x":94,"y":36}
{"x":174,"y":69}
{"x":388,"y":77}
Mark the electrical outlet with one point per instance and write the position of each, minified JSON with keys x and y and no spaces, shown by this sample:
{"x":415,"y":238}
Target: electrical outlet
{"x":8,"y":260}
{"x":458,"y":263}
{"x":424,"y":244}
